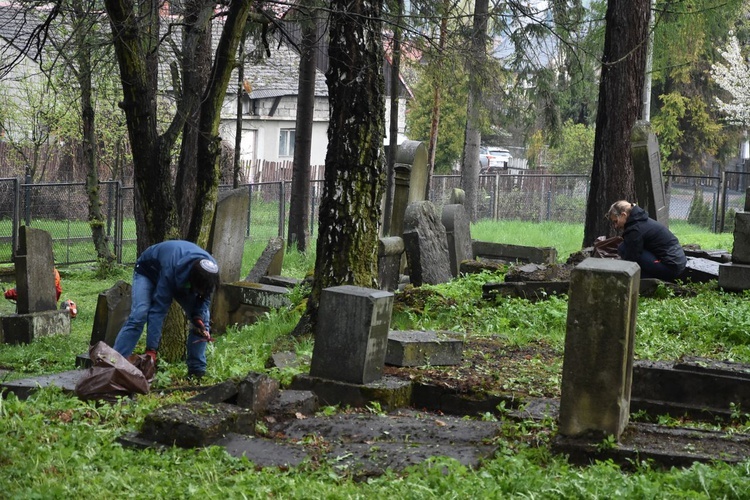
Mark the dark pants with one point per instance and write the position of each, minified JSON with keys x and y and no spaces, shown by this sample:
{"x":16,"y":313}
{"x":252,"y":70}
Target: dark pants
{"x":651,"y":267}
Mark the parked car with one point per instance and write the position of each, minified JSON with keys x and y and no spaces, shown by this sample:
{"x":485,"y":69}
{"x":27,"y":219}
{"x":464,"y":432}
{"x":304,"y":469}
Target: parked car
{"x":484,"y":158}
{"x":498,"y":157}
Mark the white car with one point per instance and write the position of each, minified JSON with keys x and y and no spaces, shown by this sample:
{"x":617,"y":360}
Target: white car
{"x":498,"y":157}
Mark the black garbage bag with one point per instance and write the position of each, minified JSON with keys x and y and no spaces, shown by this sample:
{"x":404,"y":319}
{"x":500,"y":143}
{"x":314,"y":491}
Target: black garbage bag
{"x":112,"y":375}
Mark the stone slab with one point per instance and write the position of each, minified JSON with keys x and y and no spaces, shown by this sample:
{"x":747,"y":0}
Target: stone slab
{"x":530,"y":290}
{"x":666,"y":446}
{"x":194,"y":424}
{"x":294,"y":403}
{"x":256,"y":391}
{"x":25,"y":387}
{"x":700,"y":270}
{"x":389,"y":392}
{"x":734,"y":277}
{"x":512,"y":253}
{"x":25,"y":328}
{"x":425,"y":244}
{"x":242,"y":303}
{"x":35,"y":271}
{"x":418,"y":348}
{"x":281,"y":281}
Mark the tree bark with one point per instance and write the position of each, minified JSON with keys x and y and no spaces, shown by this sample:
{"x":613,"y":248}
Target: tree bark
{"x":473,"y":136}
{"x":354,"y":176}
{"x":395,"y":83}
{"x":620,"y":90}
{"x":436,"y":95}
{"x":299,"y":206}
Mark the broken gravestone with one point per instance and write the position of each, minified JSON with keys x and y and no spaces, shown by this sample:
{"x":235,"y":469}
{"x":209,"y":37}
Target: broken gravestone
{"x":390,"y":253}
{"x":598,"y":361}
{"x":425,"y":245}
{"x":270,"y":261}
{"x":458,"y":236}
{"x":226,"y":241}
{"x":112,"y":310}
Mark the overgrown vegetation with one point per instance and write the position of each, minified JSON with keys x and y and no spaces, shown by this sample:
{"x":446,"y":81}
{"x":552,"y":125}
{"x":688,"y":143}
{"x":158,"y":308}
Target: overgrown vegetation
{"x":55,"y":446}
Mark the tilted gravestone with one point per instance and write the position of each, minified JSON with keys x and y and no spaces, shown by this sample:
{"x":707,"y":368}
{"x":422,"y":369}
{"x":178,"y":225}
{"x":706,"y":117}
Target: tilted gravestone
{"x":426,"y":245}
{"x":649,"y":184}
{"x":458,"y":236}
{"x":227,"y":239}
{"x":351,"y":334}
{"x":598,"y":363}
{"x":270,"y":261}
{"x":411,"y":172}
{"x":112,"y":310}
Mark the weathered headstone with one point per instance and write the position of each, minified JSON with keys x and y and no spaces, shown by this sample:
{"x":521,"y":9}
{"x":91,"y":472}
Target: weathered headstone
{"x":242,"y":303}
{"x":458,"y":196}
{"x":735,"y":276}
{"x":226,"y":241}
{"x":390,"y":252}
{"x":458,"y":236}
{"x":112,"y":310}
{"x":410,"y":181}
{"x":270,"y":261}
{"x":598,"y":363}
{"x":425,"y":245}
{"x":35,"y":272}
{"x":649,"y":184}
{"x":351,"y":336}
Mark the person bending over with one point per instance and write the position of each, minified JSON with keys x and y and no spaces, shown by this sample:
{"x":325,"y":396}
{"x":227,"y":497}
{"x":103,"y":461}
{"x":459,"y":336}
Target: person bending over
{"x":647,"y":242}
{"x":178,"y":270}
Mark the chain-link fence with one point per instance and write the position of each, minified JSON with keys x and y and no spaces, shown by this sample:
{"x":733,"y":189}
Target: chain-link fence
{"x":62,"y":209}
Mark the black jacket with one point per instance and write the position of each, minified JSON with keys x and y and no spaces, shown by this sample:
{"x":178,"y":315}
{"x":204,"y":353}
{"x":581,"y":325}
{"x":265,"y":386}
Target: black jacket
{"x":642,"y":233}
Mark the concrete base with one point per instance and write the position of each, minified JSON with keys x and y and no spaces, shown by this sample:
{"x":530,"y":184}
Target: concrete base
{"x":24,"y":328}
{"x":417,"y":348}
{"x":734,"y":277}
{"x":389,"y":392}
{"x":195,"y":424}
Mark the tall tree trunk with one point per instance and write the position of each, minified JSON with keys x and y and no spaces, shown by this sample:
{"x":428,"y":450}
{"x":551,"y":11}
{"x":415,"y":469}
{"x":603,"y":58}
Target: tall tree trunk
{"x":88,"y":117}
{"x":354,"y":175}
{"x":299,"y":207}
{"x":436,"y":95}
{"x":473,"y":136}
{"x":620,"y":91}
{"x":196,"y":73}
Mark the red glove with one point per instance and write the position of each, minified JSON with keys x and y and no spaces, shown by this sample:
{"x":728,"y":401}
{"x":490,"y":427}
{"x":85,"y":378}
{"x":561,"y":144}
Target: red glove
{"x":201,"y":329}
{"x":11,"y":294}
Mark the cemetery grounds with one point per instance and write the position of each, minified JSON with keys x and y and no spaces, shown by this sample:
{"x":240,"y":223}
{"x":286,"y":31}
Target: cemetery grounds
{"x":55,"y":446}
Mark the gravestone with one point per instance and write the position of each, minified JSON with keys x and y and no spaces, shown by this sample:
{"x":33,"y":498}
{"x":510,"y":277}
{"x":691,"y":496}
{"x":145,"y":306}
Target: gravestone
{"x":351,"y":334}
{"x":112,"y":310}
{"x":411,"y":172}
{"x":598,"y":363}
{"x":735,"y":276}
{"x":649,"y":183}
{"x":458,"y":196}
{"x":270,"y":261}
{"x":458,"y":236}
{"x":390,"y":252}
{"x":226,"y":241}
{"x":426,"y":245}
{"x":243,"y":303}
{"x":35,"y":272}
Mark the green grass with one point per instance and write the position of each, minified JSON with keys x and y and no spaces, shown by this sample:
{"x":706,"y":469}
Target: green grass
{"x":55,"y":446}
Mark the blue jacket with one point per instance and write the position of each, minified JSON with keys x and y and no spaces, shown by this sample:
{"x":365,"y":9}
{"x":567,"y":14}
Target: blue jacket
{"x":642,"y":233}
{"x":167,"y":265}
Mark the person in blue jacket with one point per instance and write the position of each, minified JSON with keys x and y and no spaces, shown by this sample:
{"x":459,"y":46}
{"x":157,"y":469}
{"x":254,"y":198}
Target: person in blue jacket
{"x":178,"y":270}
{"x":647,"y":242}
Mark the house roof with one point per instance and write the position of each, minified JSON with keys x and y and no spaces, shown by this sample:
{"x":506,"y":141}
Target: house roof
{"x":19,"y":28}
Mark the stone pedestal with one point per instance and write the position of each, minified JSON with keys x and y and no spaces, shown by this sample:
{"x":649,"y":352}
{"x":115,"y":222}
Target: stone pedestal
{"x":25,"y":328}
{"x":598,"y":363}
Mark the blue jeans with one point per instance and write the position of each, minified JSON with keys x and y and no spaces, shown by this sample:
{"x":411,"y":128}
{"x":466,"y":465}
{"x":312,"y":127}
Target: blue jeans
{"x":140,"y":309}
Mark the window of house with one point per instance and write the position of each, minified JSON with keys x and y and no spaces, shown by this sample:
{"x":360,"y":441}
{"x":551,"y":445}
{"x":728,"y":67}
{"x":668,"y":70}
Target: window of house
{"x":286,"y":142}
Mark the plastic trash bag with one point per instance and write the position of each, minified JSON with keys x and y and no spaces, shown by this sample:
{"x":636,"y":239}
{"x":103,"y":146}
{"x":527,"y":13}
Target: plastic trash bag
{"x":606,"y":248}
{"x":112,"y":375}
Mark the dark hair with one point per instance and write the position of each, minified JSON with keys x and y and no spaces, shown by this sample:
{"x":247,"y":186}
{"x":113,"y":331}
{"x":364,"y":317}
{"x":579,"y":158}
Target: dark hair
{"x":204,"y":277}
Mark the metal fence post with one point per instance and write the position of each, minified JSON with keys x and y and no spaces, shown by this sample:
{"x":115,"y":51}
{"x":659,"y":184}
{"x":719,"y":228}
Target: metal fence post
{"x":249,"y":211}
{"x":16,"y":216}
{"x":723,"y":189}
{"x":282,"y":208}
{"x":119,"y":210}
